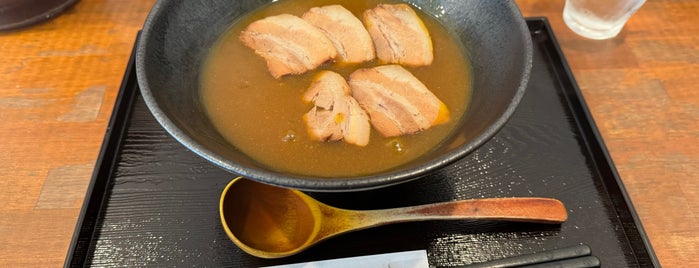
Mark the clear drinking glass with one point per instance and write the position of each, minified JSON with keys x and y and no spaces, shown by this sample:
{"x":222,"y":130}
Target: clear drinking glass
{"x":599,"y":19}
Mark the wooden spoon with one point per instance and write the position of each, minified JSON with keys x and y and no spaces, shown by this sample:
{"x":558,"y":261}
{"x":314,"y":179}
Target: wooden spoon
{"x":273,"y":222}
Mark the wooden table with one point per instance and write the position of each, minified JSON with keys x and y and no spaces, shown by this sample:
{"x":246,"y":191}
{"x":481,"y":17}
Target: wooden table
{"x":59,"y":81}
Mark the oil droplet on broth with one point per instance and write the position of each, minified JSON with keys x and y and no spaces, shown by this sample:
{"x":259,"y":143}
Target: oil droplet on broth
{"x":290,"y":136}
{"x":396,"y":146}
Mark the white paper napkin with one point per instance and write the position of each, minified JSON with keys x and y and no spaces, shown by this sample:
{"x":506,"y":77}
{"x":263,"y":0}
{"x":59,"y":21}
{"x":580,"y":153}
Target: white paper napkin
{"x":406,"y":259}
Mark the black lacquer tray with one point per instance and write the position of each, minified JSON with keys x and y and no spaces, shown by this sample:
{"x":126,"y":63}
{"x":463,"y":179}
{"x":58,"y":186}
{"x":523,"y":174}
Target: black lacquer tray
{"x":152,"y":202}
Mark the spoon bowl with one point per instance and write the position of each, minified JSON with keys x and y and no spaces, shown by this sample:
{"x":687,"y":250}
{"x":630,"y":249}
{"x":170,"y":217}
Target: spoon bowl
{"x":273,"y":222}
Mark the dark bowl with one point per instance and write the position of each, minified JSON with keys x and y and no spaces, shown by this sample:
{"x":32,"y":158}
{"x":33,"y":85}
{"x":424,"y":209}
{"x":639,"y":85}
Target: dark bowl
{"x":178,"y":34}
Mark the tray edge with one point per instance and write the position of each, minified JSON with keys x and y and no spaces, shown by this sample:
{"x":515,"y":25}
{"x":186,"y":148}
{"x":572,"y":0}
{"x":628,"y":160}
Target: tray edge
{"x":596,"y":136}
{"x":104,"y":165}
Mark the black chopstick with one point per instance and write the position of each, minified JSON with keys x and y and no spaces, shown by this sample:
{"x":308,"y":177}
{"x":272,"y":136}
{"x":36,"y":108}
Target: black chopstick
{"x":579,"y":262}
{"x":569,"y":256}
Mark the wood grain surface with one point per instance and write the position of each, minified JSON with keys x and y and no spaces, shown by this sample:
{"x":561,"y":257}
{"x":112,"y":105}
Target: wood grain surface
{"x":59,"y":81}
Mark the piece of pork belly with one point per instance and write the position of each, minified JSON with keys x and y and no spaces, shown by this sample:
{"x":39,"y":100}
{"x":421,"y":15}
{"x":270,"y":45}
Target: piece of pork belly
{"x":335,"y":115}
{"x":399,"y":35}
{"x":351,"y":39}
{"x":289,"y":44}
{"x":397,"y":102}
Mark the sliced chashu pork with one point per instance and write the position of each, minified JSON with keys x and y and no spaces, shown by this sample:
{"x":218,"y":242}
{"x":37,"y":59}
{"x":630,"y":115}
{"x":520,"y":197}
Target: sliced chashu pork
{"x":289,"y":44}
{"x":335,"y":115}
{"x":351,"y":39}
{"x":399,"y":35}
{"x":397,"y":102}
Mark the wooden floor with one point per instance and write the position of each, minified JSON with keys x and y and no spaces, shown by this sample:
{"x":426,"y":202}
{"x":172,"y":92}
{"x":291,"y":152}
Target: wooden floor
{"x":59,"y":81}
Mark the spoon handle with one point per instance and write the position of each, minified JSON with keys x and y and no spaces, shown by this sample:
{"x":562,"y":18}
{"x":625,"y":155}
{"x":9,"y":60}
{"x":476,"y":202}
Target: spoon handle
{"x":521,"y":209}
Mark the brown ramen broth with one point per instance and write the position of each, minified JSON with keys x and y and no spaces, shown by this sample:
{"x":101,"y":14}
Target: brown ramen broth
{"x":262,"y":116}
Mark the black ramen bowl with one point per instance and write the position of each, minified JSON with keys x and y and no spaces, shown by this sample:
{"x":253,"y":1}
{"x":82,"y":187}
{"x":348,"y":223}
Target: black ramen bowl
{"x":178,"y":35}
